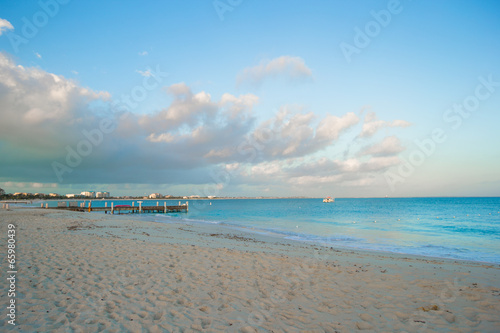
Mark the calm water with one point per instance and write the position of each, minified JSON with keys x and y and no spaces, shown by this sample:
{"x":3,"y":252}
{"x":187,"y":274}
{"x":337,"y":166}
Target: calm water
{"x":458,"y":228}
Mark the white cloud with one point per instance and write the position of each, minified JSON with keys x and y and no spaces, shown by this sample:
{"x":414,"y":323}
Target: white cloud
{"x":164,"y":137}
{"x":143,"y":53}
{"x":232,"y":166}
{"x":188,"y":111}
{"x":5,"y":25}
{"x":267,"y":169}
{"x":40,"y":107}
{"x":179,"y":89}
{"x":219,"y":154}
{"x":38,"y":55}
{"x":325,"y":172}
{"x":349,"y":165}
{"x":380,"y":163}
{"x":292,"y":68}
{"x":292,"y":134}
{"x":146,"y":73}
{"x":371,"y":124}
{"x":331,"y":126}
{"x":389,"y":146}
{"x":237,"y":106}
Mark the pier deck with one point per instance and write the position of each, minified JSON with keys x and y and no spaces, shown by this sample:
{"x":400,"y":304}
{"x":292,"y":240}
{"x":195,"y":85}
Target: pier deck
{"x":131,"y":209}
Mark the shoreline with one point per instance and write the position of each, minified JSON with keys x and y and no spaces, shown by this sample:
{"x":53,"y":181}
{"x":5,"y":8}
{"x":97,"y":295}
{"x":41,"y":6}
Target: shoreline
{"x":92,"y":271}
{"x":273,"y":235}
{"x":284,"y":235}
{"x":270,"y":236}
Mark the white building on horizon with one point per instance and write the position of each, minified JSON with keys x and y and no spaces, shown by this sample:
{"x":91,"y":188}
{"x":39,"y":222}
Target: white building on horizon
{"x":88,"y":194}
{"x":103,"y":194}
{"x":155,"y":196}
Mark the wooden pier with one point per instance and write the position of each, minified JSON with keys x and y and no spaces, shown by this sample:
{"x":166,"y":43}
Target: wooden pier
{"x":122,"y":209}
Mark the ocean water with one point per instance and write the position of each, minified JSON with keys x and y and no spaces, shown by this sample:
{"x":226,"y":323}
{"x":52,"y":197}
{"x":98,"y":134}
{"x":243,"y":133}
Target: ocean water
{"x":456,"y":228}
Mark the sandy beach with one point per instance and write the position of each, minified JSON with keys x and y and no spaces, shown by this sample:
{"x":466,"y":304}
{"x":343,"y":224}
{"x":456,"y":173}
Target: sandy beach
{"x":90,"y":272}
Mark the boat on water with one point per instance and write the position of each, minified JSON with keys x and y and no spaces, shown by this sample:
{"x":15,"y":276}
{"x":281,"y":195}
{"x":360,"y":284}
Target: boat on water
{"x":328,"y":199}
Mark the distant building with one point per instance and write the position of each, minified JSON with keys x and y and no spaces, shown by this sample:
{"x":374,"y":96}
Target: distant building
{"x":102,"y":195}
{"x":24,"y":194}
{"x":155,"y":196}
{"x":54,"y":195}
{"x":70,"y":195}
{"x":88,"y":194}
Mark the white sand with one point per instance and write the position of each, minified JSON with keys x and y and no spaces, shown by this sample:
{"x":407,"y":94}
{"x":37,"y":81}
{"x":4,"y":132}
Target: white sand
{"x":89,"y":272}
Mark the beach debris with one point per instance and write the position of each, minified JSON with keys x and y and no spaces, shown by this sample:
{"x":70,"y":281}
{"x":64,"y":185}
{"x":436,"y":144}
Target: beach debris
{"x":429,"y":308}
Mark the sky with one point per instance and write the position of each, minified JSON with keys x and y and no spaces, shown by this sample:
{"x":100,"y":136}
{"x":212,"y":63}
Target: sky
{"x":251,"y":98}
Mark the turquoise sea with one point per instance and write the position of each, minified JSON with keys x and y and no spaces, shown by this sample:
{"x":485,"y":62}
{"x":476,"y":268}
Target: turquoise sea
{"x":456,"y":228}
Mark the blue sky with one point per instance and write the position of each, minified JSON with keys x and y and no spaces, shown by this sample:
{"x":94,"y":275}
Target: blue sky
{"x":250,"y":98}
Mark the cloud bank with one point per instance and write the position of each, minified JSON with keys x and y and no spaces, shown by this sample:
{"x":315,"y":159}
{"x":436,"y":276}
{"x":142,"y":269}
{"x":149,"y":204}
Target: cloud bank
{"x":372,"y":125}
{"x":196,"y":139}
{"x":288,"y":67}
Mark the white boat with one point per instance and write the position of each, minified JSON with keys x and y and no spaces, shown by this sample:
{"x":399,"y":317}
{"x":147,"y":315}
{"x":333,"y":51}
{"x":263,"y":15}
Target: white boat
{"x":328,"y":199}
